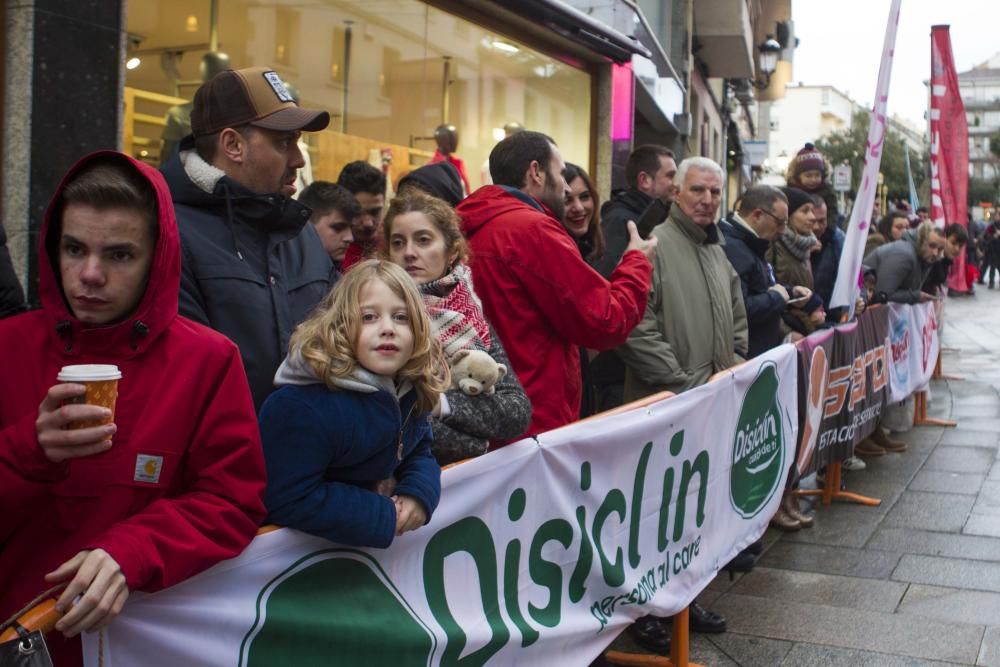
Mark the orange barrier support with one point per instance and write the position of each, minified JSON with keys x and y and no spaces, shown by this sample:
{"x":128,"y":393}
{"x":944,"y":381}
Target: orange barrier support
{"x":938,"y":374}
{"x":44,"y":615}
{"x":831,"y":490}
{"x":679,"y":649}
{"x":920,"y":417}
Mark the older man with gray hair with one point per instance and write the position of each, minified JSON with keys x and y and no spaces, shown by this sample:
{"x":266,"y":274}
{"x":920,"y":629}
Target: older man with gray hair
{"x":695,"y":322}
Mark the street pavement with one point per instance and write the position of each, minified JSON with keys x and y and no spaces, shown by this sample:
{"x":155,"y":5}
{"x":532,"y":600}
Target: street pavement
{"x":914,"y":581}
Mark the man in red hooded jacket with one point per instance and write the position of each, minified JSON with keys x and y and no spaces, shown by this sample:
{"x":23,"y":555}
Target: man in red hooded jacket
{"x":174,"y":485}
{"x":541,"y":297}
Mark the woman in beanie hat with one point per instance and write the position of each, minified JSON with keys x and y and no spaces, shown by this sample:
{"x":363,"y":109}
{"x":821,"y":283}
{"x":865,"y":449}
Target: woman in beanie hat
{"x":789,"y":255}
{"x":809,"y":171}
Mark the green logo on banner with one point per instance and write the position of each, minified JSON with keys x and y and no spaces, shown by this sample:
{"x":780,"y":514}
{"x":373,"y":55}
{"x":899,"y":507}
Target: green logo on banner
{"x":758,"y":446}
{"x":335,"y":607}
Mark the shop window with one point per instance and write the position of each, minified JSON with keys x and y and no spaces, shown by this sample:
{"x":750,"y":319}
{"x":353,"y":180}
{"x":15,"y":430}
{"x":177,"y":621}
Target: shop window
{"x":402,"y":51}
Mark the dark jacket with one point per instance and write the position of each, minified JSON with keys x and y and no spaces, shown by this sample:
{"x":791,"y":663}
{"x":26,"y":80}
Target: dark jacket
{"x":328,"y":450}
{"x":825,"y":263}
{"x":183,"y":406}
{"x":623,"y":206}
{"x":544,"y":300}
{"x":746,"y":252}
{"x":11,"y":294}
{"x":251,"y":268}
{"x":900,"y":272}
{"x":475,"y":420}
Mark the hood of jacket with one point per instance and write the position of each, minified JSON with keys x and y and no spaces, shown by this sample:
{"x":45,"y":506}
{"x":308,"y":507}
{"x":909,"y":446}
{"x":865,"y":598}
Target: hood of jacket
{"x":699,"y":235}
{"x":440,"y":179}
{"x":295,"y":371}
{"x":488,"y":202}
{"x":198,"y":184}
{"x":739,"y":230}
{"x":633,"y":201}
{"x":158,"y":306}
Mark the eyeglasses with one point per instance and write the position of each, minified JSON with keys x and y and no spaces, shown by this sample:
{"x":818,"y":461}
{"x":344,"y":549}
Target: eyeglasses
{"x":780,"y":221}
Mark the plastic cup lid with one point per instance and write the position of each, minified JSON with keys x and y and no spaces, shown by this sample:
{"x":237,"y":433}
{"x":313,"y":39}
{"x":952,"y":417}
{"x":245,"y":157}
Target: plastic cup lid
{"x":89,"y":373}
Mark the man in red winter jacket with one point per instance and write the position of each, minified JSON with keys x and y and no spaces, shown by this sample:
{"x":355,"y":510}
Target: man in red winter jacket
{"x":541,"y":297}
{"x":175,"y":484}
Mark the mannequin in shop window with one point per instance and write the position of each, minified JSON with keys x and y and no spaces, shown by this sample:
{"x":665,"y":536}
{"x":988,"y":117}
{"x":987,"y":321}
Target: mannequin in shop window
{"x":178,"y":117}
{"x":446,"y":137}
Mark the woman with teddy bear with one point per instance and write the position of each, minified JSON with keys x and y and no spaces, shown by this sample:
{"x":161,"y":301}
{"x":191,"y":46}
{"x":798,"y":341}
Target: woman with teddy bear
{"x":485,"y":402}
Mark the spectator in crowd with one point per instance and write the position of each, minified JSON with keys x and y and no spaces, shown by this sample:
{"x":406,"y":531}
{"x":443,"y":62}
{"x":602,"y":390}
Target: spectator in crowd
{"x":810,"y":172}
{"x":166,"y":484}
{"x":956,"y":238}
{"x":695,"y":322}
{"x":11,"y":294}
{"x":901,"y":269}
{"x":583,"y":222}
{"x":762,"y":217}
{"x":334,"y":210}
{"x":367,"y":184}
{"x":543,"y":299}
{"x":991,"y":252}
{"x":251,"y":266}
{"x":923,"y":215}
{"x":346,"y":435}
{"x":422,"y":235}
{"x":439,"y":179}
{"x":649,"y":173}
{"x":902,"y":266}
{"x":826,"y":260}
{"x":891,"y":227}
{"x":789,"y":255}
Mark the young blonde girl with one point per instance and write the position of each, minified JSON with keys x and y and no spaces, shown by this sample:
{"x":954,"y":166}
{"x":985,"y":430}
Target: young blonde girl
{"x":346,"y":435}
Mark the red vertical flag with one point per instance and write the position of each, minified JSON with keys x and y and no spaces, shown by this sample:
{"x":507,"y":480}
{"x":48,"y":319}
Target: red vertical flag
{"x":949,"y":147}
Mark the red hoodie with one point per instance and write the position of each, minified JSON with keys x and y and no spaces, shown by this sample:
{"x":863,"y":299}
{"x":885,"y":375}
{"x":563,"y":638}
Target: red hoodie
{"x":183,"y":396}
{"x":543,"y":300}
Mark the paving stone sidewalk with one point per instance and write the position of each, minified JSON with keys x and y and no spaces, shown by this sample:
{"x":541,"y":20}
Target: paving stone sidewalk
{"x":915,"y":581}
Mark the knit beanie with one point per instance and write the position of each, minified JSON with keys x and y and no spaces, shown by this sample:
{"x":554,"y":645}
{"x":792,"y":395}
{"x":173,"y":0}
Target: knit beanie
{"x":440,"y":179}
{"x":807,"y":159}
{"x":796,"y":198}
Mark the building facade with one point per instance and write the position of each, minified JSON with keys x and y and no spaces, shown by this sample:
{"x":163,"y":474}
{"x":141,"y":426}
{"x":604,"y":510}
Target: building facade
{"x":980,"y":90}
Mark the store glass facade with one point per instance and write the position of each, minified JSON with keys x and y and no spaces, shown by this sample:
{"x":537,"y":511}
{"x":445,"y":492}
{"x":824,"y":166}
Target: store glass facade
{"x":389,"y":72}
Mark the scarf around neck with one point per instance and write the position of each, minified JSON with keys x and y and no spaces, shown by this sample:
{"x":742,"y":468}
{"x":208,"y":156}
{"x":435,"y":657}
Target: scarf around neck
{"x":798,"y":244}
{"x":456,"y":313}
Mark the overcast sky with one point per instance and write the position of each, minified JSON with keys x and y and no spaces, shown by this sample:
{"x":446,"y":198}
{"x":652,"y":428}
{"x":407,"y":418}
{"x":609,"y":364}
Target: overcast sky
{"x":841,"y":45}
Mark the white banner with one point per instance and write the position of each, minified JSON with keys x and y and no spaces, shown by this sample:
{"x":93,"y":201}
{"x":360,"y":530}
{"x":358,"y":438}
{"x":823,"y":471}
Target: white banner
{"x":845,"y":290}
{"x":913,"y":339}
{"x":539,"y":554}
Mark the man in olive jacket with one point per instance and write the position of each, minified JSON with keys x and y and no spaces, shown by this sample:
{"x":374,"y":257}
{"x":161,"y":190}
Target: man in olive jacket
{"x":695,"y":323}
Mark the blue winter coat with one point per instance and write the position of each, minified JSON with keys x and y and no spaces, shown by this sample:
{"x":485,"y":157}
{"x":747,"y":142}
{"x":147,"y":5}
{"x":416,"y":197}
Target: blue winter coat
{"x":327,"y":449}
{"x":825,"y":264}
{"x":251,"y":266}
{"x":764,"y":307}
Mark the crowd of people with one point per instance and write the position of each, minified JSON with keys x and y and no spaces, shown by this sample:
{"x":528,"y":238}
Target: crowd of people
{"x":314,"y":362}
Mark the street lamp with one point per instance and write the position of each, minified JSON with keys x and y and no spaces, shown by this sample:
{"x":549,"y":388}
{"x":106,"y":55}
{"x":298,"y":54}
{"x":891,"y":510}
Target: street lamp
{"x":767,"y":60}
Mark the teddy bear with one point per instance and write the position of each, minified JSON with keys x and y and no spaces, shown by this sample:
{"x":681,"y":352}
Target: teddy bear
{"x":475,"y":372}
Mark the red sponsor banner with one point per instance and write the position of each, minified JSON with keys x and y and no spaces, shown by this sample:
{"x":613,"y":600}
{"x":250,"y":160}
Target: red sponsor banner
{"x":949,"y":147}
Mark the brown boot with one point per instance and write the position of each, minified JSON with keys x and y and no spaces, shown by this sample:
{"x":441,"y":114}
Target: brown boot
{"x":791,"y":506}
{"x":867,"y":447}
{"x":782,"y":521}
{"x":880,"y":438}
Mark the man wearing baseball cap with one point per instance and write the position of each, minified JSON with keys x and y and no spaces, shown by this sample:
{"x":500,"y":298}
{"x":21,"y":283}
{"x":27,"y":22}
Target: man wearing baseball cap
{"x":252,"y":268}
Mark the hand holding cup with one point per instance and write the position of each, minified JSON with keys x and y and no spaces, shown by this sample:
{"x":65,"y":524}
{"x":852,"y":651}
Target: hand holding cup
{"x":76,"y":416}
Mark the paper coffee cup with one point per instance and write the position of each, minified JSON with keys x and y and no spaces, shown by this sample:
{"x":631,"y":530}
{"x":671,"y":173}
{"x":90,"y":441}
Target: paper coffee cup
{"x":101,"y":381}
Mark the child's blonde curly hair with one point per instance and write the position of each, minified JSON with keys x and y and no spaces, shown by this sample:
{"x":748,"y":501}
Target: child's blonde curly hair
{"x":328,"y":339}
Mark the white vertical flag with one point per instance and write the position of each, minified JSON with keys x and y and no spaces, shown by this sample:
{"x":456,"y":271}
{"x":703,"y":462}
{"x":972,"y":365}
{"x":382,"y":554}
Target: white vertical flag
{"x":845,"y":291}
